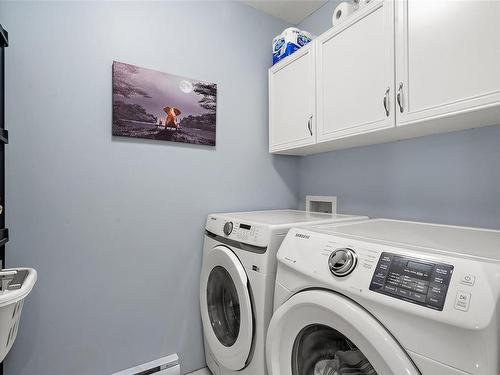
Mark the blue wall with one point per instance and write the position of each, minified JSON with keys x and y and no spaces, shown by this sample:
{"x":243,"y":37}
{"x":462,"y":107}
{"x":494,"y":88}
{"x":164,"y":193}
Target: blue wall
{"x":321,"y":20}
{"x":450,"y":178}
{"x":115,"y":226}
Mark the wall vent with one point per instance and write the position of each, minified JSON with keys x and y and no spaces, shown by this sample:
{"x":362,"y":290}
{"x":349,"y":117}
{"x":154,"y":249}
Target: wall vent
{"x":319,"y":203}
{"x":163,"y":366}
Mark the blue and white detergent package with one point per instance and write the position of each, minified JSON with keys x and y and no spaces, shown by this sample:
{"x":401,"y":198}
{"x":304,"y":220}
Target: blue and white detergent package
{"x":289,"y":41}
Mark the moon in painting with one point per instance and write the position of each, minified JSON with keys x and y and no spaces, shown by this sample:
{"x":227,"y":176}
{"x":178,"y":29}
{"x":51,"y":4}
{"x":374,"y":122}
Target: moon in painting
{"x":186,"y":86}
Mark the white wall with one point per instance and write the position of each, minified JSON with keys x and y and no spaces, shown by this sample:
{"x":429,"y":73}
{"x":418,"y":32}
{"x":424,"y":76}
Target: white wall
{"x":115,"y":226}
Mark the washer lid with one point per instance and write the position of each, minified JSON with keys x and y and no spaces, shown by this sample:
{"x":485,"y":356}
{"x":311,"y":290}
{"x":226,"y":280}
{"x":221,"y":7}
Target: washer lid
{"x":316,"y":329}
{"x":226,"y":309}
{"x":465,"y":241}
{"x":286,"y":218}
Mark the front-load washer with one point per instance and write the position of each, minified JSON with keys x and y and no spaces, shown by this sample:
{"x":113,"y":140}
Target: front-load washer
{"x":386,"y":297}
{"x":237,"y":284}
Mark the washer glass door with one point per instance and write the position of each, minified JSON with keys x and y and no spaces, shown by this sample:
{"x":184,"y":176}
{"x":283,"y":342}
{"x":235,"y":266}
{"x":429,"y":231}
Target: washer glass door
{"x":317,"y":332}
{"x":226,"y":308}
{"x":223,"y":306}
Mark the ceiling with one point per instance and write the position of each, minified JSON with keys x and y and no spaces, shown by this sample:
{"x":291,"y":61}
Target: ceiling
{"x":291,"y":11}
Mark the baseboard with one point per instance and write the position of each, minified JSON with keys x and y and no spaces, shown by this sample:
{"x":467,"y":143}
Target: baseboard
{"x":163,"y":366}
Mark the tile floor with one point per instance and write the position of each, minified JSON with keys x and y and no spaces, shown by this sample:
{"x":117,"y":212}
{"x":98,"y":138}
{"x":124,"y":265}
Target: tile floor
{"x":203,"y":371}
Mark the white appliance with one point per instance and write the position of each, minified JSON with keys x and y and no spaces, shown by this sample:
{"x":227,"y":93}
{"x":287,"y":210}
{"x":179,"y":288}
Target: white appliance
{"x":237,"y":284}
{"x":404,"y":297}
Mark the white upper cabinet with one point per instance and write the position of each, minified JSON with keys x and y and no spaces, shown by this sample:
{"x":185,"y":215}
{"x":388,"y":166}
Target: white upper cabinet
{"x":292,"y":101}
{"x":355,"y":74}
{"x":392,"y":70}
{"x":448,"y":59}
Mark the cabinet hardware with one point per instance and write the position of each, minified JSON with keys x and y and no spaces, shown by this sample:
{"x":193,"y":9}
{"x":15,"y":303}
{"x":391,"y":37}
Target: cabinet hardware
{"x":309,"y":125}
{"x":386,"y":100}
{"x":399,"y":97}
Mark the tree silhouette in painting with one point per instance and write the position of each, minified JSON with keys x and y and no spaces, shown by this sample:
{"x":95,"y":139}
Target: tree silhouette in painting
{"x":208,"y":91}
{"x":121,"y":81}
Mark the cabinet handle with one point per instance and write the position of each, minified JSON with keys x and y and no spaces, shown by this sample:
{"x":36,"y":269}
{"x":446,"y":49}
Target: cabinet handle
{"x":309,"y":125}
{"x":399,"y":97}
{"x":386,"y":100}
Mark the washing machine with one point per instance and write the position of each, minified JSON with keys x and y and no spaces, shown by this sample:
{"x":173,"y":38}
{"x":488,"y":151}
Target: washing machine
{"x":386,"y":297}
{"x":237,"y":284}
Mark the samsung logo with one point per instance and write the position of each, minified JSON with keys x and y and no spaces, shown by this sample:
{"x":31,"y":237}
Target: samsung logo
{"x":300,"y":235}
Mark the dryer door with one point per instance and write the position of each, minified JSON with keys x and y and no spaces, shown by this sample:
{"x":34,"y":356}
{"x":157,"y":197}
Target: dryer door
{"x":320,"y":332}
{"x":226,"y":309}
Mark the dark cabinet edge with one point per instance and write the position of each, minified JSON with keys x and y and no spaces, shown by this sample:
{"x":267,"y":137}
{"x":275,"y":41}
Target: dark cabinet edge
{"x":4,"y":233}
{"x":4,"y":37}
{"x":4,"y":236}
{"x":4,"y":42}
{"x":4,"y":136}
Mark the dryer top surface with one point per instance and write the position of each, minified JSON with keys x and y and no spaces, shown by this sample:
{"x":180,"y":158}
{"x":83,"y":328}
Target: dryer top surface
{"x":285,"y":217}
{"x":475,"y":242}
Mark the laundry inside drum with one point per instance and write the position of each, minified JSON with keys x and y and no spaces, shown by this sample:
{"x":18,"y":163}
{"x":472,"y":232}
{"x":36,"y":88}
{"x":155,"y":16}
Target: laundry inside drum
{"x":321,"y":350}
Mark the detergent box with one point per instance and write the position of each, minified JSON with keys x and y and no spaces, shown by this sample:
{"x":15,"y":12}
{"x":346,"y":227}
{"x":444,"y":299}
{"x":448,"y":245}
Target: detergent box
{"x":289,"y":41}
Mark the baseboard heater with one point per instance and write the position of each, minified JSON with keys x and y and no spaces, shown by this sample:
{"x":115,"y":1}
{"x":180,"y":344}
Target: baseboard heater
{"x":163,"y":366}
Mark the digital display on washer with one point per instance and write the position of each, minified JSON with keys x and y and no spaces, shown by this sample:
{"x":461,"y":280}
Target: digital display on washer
{"x":245,"y":226}
{"x":413,"y":280}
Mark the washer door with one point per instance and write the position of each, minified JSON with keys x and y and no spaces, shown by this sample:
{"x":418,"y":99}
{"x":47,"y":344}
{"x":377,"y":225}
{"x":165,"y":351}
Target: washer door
{"x":321,"y":333}
{"x":226,"y":310}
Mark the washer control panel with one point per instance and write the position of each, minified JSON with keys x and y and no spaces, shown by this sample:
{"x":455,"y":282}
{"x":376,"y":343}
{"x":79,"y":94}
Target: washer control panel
{"x":414,"y":280}
{"x":248,"y":233}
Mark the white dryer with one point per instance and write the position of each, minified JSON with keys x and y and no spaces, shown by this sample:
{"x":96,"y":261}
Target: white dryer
{"x":237,"y":284}
{"x":386,"y":297}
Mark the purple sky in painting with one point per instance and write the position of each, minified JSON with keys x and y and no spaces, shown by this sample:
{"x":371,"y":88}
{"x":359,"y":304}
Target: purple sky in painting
{"x":164,"y":90}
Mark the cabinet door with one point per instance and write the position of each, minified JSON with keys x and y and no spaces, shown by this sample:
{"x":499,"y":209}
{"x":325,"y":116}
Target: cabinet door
{"x":448,"y":57}
{"x":292,"y":101}
{"x":355,"y":74}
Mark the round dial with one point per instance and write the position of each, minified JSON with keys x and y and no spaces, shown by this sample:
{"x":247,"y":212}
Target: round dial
{"x":228,"y":228}
{"x":342,"y":262}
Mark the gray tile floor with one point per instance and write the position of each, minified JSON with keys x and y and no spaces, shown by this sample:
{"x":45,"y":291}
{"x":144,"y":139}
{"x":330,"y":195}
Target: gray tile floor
{"x":203,"y":371}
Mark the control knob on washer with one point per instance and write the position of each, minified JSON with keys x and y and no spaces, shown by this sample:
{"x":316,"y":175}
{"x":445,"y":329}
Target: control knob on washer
{"x":342,"y":262}
{"x":228,"y":228}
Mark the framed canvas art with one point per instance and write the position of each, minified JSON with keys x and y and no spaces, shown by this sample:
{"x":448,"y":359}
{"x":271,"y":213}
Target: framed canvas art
{"x":156,"y":105}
